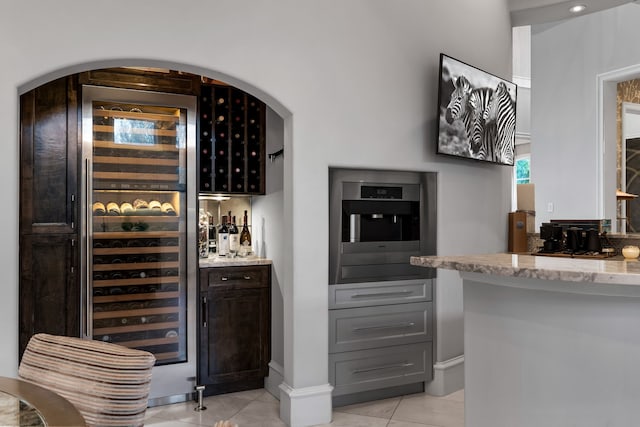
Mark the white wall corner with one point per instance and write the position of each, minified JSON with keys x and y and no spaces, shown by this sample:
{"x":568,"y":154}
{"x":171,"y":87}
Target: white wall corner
{"x":448,"y":377}
{"x":275,"y":378}
{"x":300,"y":407}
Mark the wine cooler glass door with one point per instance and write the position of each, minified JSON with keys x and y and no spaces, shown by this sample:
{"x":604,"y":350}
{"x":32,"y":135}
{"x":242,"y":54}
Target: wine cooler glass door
{"x":138,"y":203}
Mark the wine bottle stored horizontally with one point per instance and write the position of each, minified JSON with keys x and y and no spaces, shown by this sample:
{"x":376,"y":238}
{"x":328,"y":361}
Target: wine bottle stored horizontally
{"x":223,"y":238}
{"x":234,"y":236}
{"x":245,"y":235}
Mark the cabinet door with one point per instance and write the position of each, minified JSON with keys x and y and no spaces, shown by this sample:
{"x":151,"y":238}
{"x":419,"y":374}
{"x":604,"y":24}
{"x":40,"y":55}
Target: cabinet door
{"x":234,"y":337}
{"x":49,"y":289}
{"x":49,"y":158}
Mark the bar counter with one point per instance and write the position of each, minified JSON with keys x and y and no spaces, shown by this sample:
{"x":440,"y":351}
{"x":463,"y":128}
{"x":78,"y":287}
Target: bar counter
{"x":548,"y":341}
{"x":238,"y":261}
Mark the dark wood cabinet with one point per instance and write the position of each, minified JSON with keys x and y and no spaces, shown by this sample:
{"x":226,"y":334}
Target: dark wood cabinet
{"x":49,"y":299}
{"x":234,"y":328}
{"x":49,"y":158}
{"x":49,"y":290}
{"x":153,"y":79}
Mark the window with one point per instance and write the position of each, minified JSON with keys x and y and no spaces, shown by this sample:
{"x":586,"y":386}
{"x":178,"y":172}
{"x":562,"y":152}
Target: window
{"x":522,"y":170}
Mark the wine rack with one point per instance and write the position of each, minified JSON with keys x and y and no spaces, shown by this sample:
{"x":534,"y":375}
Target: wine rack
{"x":136,"y":149}
{"x":232,"y":141}
{"x":137,"y":239}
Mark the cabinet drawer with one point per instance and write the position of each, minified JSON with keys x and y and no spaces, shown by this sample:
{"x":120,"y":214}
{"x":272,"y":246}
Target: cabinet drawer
{"x":356,"y":371}
{"x":379,"y":293}
{"x":236,"y":277}
{"x":378,"y":326}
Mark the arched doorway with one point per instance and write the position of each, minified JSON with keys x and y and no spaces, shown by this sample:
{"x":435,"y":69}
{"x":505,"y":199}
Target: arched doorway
{"x":269,"y":208}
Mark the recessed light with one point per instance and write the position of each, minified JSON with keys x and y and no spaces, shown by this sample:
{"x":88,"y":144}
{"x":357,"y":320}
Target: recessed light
{"x":577,"y":8}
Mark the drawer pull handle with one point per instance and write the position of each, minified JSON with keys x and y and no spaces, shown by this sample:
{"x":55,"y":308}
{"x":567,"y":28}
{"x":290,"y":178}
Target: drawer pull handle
{"x":392,"y":326}
{"x":225,"y":278}
{"x":380,"y":368}
{"x":382,"y":294}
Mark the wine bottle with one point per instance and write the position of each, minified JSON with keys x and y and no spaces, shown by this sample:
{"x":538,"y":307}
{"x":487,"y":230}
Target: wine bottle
{"x":212,"y":235}
{"x":234,"y":236}
{"x":203,"y":234}
{"x":223,"y":238}
{"x":245,"y":236}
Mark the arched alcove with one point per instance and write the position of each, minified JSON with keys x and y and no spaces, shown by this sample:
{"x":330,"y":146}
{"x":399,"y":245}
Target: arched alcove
{"x":270,"y":207}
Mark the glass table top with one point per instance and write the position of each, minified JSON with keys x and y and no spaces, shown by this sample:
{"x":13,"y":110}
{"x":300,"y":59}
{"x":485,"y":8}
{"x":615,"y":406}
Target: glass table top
{"x":16,"y":412}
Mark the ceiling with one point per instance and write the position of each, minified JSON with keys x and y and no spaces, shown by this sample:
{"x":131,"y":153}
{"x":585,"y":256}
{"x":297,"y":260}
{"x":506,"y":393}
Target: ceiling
{"x":529,"y":12}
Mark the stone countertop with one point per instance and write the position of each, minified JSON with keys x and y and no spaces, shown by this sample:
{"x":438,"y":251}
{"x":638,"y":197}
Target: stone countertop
{"x":216,"y":261}
{"x":609,"y":271}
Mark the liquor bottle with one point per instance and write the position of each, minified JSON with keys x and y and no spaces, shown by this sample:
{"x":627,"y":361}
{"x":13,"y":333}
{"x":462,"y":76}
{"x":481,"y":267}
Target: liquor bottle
{"x":203,"y":234}
{"x":223,"y":238}
{"x":245,"y":236}
{"x":212,"y":235}
{"x":234,"y":237}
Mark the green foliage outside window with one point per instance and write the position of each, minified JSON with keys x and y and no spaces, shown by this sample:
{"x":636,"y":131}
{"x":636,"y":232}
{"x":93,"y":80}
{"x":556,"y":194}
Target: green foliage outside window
{"x":522,"y":170}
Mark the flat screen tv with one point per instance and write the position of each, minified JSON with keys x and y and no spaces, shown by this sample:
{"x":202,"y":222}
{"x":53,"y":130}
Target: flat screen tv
{"x":477,"y":113}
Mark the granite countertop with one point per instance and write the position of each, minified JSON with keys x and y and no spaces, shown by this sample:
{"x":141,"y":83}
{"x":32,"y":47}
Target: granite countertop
{"x":216,"y":261}
{"x":612,"y":270}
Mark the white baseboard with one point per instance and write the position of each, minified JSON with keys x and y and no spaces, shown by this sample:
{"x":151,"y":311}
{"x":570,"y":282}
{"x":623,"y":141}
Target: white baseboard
{"x":275,"y":378}
{"x":306,"y":406}
{"x":448,"y":376}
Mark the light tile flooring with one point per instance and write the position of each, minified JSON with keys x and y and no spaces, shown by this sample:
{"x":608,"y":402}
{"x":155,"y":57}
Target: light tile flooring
{"x":258,"y":408}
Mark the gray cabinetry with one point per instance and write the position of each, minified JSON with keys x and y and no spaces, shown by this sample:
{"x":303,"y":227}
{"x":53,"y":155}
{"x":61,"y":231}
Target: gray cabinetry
{"x":380,"y":338}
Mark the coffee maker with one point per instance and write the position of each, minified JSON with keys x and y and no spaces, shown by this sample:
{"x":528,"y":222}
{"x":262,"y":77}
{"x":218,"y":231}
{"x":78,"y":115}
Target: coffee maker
{"x":572,"y":239}
{"x":553,"y":237}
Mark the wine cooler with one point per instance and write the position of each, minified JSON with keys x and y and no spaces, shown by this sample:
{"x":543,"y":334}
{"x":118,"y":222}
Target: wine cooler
{"x":139,"y":243}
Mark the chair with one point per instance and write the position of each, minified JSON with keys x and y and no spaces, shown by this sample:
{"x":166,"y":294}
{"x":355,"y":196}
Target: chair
{"x":108,"y":383}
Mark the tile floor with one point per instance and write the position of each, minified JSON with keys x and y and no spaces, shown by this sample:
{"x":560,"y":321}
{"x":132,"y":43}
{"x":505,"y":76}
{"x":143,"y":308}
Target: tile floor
{"x":258,"y":408}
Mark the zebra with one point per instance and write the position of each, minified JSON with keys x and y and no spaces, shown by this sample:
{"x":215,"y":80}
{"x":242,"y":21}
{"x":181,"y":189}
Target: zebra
{"x":501,"y":113}
{"x":468,"y":105}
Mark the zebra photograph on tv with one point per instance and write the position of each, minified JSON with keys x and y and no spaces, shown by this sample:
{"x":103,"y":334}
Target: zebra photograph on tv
{"x":477,"y":113}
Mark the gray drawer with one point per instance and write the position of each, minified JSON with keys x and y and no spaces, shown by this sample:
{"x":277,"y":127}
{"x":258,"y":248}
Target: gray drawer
{"x":356,"y":371}
{"x":379,"y":293}
{"x":378,"y":326}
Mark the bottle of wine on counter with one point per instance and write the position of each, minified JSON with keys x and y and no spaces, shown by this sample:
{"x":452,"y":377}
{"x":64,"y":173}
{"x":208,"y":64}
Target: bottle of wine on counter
{"x":223,"y":238}
{"x":234,"y":236}
{"x":212,"y":235}
{"x":245,"y":236}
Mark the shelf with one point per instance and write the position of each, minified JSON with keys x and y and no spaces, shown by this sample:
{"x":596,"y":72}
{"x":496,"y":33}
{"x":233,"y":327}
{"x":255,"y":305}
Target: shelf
{"x":137,"y":250}
{"x":142,"y":281}
{"x":148,"y":342}
{"x":135,"y":161}
{"x":136,"y":115}
{"x":168,"y":148}
{"x":139,"y":131}
{"x":136,"y":176}
{"x":135,"y":218}
{"x":135,"y":312}
{"x":135,"y":297}
{"x":136,"y":266}
{"x":136,"y":328}
{"x":135,"y":234}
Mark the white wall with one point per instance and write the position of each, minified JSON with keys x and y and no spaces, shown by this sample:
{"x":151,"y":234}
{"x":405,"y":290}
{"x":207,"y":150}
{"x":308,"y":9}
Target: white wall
{"x":267,"y":213}
{"x":566,"y":59}
{"x":356,"y":84}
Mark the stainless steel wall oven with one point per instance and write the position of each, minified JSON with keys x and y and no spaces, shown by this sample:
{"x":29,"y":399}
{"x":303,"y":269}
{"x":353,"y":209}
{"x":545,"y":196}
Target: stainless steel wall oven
{"x":377,"y":221}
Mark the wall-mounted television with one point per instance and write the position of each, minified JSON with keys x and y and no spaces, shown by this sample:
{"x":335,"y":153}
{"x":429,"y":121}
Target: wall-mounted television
{"x":476,"y":113}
